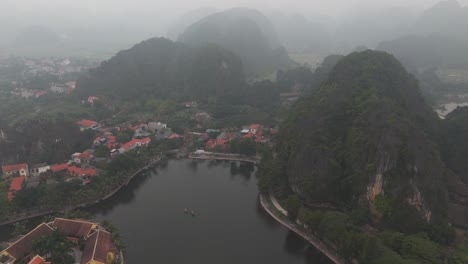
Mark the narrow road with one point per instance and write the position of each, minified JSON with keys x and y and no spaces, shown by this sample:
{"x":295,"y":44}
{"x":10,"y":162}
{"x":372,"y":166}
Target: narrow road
{"x":319,"y":245}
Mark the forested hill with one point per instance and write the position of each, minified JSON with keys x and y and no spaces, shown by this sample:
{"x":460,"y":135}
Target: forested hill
{"x":41,"y":140}
{"x":365,"y":139}
{"x":246,"y":32}
{"x":455,"y":144}
{"x":160,"y":67}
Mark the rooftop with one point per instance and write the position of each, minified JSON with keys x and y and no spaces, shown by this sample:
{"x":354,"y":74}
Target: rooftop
{"x":86,"y":123}
{"x":22,"y":247}
{"x":74,"y":228}
{"x":98,"y":245}
{"x":15,"y":185}
{"x":14,"y":167}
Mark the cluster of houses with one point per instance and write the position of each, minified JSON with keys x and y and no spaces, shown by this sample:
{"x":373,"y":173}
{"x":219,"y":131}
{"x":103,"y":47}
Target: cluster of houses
{"x":80,"y":164}
{"x":255,"y":132}
{"x":23,"y":175}
{"x":92,"y":243}
{"x":65,"y":88}
{"x":141,"y":135}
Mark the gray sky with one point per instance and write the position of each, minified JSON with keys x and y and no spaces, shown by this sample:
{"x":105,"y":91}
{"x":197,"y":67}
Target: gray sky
{"x":119,"y":7}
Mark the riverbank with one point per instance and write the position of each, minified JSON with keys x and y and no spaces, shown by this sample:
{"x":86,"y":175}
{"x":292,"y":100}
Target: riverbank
{"x":224,"y":157}
{"x":37,"y":213}
{"x":267,"y":204}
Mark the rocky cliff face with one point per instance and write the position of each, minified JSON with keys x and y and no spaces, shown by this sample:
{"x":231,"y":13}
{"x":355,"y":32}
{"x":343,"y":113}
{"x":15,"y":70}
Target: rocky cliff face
{"x":366,"y":140}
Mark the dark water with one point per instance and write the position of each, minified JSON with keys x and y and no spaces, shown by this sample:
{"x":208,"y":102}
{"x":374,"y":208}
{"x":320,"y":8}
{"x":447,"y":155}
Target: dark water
{"x":230,"y":226}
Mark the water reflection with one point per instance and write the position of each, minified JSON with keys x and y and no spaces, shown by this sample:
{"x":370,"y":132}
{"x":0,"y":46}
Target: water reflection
{"x":125,"y":195}
{"x":230,"y":226}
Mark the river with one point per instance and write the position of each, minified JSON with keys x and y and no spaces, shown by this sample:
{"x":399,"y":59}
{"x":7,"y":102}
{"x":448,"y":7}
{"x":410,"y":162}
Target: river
{"x":229,"y":226}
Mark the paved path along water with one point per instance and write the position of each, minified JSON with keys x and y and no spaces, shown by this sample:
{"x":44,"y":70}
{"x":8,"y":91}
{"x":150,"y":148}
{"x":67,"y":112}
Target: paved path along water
{"x":230,"y":225}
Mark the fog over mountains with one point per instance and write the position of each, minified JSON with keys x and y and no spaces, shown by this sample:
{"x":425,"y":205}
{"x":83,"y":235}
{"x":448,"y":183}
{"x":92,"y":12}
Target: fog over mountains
{"x":303,"y":26}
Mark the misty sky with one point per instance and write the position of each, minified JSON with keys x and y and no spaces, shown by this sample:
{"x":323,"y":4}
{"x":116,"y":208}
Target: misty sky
{"x":174,"y":7}
{"x":134,"y":20}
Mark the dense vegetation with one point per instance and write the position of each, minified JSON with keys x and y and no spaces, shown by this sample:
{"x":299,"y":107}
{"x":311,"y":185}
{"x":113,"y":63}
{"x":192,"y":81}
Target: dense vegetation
{"x":367,"y":143}
{"x":160,"y":67}
{"x":455,"y":144}
{"x":50,"y":140}
{"x":247,"y":33}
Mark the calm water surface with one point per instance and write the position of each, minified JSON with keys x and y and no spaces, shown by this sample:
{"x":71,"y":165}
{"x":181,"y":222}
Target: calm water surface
{"x":229,"y":227}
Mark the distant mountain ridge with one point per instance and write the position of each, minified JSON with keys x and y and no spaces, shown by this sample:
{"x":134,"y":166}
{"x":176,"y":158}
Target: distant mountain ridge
{"x":247,"y":33}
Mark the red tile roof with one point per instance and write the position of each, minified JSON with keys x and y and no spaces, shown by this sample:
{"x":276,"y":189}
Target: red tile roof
{"x":254,"y":126}
{"x":145,"y":140}
{"x":73,"y":228}
{"x":15,"y":167}
{"x":59,"y":167}
{"x":129,"y":144}
{"x":97,"y":246}
{"x":134,"y":142}
{"x":15,"y":185}
{"x":37,"y":260}
{"x":174,"y":135}
{"x":84,"y":156}
{"x":81,"y":172}
{"x":22,"y":246}
{"x":86,"y":123}
{"x":248,"y":135}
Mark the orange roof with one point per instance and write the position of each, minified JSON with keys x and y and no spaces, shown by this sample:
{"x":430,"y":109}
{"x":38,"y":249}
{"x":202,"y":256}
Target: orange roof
{"x":249,"y":135}
{"x":86,"y":123}
{"x":59,"y":167}
{"x":15,"y":185}
{"x":84,"y":155}
{"x":175,"y":135}
{"x":15,"y":167}
{"x":82,"y":172}
{"x":145,"y":140}
{"x":254,"y":126}
{"x":37,"y":260}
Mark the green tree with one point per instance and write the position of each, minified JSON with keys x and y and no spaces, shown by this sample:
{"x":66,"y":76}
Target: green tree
{"x":124,"y":136}
{"x":293,"y":204}
{"x":56,"y":246}
{"x":247,"y":147}
{"x":18,"y":229}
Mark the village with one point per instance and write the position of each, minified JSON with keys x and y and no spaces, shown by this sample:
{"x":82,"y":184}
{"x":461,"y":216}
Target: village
{"x":111,"y":141}
{"x":33,"y":78}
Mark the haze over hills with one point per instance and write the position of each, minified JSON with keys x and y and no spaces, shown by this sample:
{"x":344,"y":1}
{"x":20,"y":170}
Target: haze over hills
{"x":246,"y":32}
{"x":188,"y":19}
{"x":447,"y":18}
{"x":160,"y":67}
{"x":299,"y":34}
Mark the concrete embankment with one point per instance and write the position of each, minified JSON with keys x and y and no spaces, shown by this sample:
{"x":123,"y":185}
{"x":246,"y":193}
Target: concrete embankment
{"x":319,"y":245}
{"x":223,"y":156}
